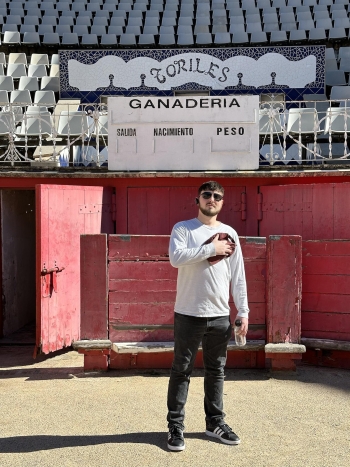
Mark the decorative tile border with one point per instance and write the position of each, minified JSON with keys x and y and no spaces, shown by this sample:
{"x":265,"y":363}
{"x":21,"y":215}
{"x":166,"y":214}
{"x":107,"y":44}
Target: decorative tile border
{"x":89,"y":74}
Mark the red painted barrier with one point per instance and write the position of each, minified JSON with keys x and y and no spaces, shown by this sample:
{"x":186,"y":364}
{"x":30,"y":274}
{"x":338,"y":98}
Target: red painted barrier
{"x":142,"y":287}
{"x":326,"y":299}
{"x":283,"y":285}
{"x":94,"y":287}
{"x":283,"y":289}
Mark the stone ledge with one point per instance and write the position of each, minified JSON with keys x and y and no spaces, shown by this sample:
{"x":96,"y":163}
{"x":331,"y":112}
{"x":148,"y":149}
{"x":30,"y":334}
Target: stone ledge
{"x":153,"y":347}
{"x":93,"y":344}
{"x":285,"y":348}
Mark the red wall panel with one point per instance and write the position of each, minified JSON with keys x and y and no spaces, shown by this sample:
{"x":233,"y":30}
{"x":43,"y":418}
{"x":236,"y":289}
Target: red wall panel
{"x":326,"y":293}
{"x":155,"y":210}
{"x":317,"y":211}
{"x":142,"y":289}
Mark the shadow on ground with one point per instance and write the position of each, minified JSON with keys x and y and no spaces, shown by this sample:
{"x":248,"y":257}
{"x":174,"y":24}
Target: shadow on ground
{"x":21,"y":444}
{"x":22,"y":355}
{"x":18,"y":362}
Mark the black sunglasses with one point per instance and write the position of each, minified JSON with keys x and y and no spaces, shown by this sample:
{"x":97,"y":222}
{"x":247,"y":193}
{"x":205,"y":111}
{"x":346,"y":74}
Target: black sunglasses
{"x":209,"y":194}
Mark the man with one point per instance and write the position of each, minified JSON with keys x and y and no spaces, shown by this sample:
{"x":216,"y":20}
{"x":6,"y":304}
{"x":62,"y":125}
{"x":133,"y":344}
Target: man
{"x":202,"y":313}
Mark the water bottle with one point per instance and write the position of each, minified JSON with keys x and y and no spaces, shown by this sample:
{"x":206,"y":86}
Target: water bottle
{"x":240,"y":340}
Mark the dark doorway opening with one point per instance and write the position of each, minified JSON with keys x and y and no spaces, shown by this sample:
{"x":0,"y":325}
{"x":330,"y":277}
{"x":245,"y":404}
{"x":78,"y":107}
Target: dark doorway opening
{"x":17,"y":317}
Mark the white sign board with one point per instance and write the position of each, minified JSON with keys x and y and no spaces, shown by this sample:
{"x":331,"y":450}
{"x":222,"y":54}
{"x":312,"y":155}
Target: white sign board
{"x":183,"y":133}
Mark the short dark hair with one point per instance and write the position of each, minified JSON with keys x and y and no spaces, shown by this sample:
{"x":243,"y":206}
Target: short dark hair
{"x":212,"y":186}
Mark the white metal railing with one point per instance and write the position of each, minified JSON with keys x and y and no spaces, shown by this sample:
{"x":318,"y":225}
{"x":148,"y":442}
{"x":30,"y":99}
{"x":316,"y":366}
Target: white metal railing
{"x":300,"y":132}
{"x":304,"y":131}
{"x":66,"y":135}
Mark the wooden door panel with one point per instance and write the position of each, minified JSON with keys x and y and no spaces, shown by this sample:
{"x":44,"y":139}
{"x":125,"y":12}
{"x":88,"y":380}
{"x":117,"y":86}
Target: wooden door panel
{"x":342,"y":210}
{"x":182,"y":204}
{"x":273,"y":217}
{"x":307,"y":225}
{"x":322,"y":210}
{"x":63,"y":213}
{"x":155,"y":210}
{"x":231,"y":213}
{"x":293,"y":198}
{"x":317,"y":211}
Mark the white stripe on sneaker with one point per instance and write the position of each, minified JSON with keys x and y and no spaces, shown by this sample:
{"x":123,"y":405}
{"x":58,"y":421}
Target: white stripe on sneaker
{"x":218,"y":431}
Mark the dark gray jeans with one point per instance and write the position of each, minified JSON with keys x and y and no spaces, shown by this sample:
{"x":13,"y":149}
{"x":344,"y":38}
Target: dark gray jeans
{"x":189,"y":332}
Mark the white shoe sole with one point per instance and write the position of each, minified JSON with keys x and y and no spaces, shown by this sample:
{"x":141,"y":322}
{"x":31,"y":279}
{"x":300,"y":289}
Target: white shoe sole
{"x":176,"y":448}
{"x":225,"y":441}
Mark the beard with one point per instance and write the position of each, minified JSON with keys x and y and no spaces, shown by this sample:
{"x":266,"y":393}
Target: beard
{"x":210,"y":212}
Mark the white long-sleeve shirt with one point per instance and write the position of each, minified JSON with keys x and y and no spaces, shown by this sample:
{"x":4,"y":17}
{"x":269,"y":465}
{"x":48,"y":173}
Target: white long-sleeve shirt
{"x":203,"y":289}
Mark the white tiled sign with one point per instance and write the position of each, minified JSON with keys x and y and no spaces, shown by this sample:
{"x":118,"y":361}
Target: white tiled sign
{"x":201,"y":68}
{"x":183,"y":133}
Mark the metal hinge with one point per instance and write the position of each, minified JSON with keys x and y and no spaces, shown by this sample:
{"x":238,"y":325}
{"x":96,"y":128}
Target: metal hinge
{"x":243,"y":206}
{"x":260,"y":200}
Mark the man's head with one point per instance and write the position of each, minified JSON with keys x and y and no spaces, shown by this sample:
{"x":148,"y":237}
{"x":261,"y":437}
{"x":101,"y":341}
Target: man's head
{"x":211,"y":186}
{"x":210,"y":198}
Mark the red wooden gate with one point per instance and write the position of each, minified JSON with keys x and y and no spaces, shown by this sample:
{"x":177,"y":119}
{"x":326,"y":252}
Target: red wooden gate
{"x":155,"y":210}
{"x":313,"y":211}
{"x":141,"y":289}
{"x":62,"y":214}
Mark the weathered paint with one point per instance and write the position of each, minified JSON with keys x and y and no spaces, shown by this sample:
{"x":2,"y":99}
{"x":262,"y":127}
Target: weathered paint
{"x":284,"y":289}
{"x":188,"y":182}
{"x":326,"y":296}
{"x":252,"y":182}
{"x":317,"y":211}
{"x":95,"y":360}
{"x":142,"y":290}
{"x":59,"y":222}
{"x":94,"y":287}
{"x":155,"y":210}
{"x":142,"y":294}
{"x":138,"y":247}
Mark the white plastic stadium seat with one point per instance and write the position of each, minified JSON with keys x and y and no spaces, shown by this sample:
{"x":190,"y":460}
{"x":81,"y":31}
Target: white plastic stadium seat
{"x":54,"y":70}
{"x":39,"y":59}
{"x":303,"y":121}
{"x":336,"y":119}
{"x":50,"y":83}
{"x":270,"y":122}
{"x":6,"y":83}
{"x":36,"y":122}
{"x":4,"y":98}
{"x":7,"y":123}
{"x":55,"y":59}
{"x":31,"y":38}
{"x":89,"y":40}
{"x":28,"y":82}
{"x":16,"y":70}
{"x":46,"y":98}
{"x":340,"y":92}
{"x":11,"y":38}
{"x":37,"y":71}
{"x":21,"y":98}
{"x":18,"y":58}
{"x":72,"y":124}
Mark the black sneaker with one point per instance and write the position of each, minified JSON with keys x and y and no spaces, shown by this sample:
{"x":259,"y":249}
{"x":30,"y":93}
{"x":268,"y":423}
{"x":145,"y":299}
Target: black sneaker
{"x":223,"y":432}
{"x":176,"y":440}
